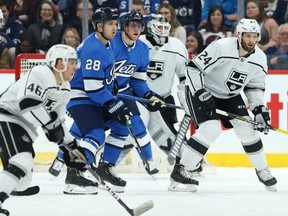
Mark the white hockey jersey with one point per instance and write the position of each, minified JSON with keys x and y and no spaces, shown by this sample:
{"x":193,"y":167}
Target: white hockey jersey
{"x":225,"y":74}
{"x":33,"y":97}
{"x":165,"y":62}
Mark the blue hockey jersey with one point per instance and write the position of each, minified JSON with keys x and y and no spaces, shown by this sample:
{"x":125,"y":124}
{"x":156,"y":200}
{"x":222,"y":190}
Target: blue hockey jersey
{"x":93,"y":81}
{"x":130,"y":65}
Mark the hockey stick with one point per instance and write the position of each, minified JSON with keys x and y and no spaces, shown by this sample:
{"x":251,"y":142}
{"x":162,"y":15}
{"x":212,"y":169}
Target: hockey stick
{"x":135,"y":211}
{"x":144,"y":100}
{"x":143,"y":157}
{"x":241,"y":118}
{"x":180,"y":137}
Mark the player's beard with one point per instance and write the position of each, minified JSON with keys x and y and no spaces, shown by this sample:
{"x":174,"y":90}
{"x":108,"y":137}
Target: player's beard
{"x":247,"y":48}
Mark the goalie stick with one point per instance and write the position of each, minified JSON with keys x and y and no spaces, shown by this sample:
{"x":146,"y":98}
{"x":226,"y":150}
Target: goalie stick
{"x":144,"y":159}
{"x":180,"y":137}
{"x":135,"y":211}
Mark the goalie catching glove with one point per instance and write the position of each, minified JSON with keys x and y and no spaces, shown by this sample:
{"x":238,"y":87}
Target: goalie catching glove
{"x":157,"y":103}
{"x":206,"y":101}
{"x":82,"y":153}
{"x":53,"y":129}
{"x":262,"y":117}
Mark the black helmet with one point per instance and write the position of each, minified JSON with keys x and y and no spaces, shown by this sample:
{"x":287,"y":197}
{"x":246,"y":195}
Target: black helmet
{"x":103,"y":14}
{"x":133,"y":16}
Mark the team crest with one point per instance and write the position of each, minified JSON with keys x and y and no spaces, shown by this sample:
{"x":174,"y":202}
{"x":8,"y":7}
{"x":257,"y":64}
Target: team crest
{"x":155,"y":70}
{"x":235,"y":80}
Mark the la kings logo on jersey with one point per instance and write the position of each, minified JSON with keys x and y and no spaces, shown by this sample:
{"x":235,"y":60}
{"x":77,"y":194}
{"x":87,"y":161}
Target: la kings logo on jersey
{"x":235,"y":80}
{"x":123,"y":68}
{"x":155,"y":69}
{"x":50,"y":104}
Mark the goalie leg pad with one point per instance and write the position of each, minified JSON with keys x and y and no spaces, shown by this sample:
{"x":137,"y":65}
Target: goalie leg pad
{"x":160,"y":132}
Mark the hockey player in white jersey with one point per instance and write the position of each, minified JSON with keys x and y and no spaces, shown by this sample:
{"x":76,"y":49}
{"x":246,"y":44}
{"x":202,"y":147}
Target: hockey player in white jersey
{"x":216,"y":77}
{"x":38,"y":98}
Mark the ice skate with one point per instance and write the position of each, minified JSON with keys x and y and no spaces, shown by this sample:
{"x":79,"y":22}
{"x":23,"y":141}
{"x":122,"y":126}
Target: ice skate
{"x":4,"y":212}
{"x":106,"y":172}
{"x":77,"y":184}
{"x":56,"y":167}
{"x":181,"y":180}
{"x":267,"y":179}
{"x":197,"y":171}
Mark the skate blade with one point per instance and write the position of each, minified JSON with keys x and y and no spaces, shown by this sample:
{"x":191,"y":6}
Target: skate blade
{"x":175,"y":186}
{"x":72,"y":189}
{"x":271,"y":188}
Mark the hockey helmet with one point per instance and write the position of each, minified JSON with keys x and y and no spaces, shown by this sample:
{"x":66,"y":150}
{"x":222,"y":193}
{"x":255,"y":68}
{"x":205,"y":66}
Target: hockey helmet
{"x":103,"y":14}
{"x":159,"y":28}
{"x":248,"y":25}
{"x":60,"y":51}
{"x":133,"y":16}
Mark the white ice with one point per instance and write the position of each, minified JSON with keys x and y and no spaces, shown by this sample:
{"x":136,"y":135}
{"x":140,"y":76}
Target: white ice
{"x":226,"y":192}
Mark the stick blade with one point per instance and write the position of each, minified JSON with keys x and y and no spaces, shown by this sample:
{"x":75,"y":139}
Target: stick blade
{"x":143,"y":208}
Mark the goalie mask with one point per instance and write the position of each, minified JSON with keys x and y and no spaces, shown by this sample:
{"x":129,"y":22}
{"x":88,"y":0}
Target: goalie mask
{"x":60,"y":51}
{"x":159,"y":29}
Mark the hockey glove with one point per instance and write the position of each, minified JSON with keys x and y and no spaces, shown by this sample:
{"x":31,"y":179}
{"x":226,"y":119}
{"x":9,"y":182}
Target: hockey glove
{"x":262,"y":116}
{"x":119,"y":111}
{"x":78,"y":158}
{"x":53,"y":129}
{"x":157,"y":102}
{"x":206,"y":101}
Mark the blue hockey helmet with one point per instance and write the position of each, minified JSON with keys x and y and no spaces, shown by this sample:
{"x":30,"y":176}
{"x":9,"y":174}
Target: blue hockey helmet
{"x":133,"y":16}
{"x":103,"y":14}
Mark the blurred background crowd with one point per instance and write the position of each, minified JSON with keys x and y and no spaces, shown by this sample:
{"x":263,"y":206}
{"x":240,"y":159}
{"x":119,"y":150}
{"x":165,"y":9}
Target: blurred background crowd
{"x":33,"y":26}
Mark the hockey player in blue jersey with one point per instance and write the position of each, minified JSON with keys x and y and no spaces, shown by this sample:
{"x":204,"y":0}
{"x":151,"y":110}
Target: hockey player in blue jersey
{"x":132,"y":60}
{"x":93,"y":106}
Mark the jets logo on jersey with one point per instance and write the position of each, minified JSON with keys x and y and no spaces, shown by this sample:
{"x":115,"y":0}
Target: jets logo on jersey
{"x":49,"y":104}
{"x":235,"y":80}
{"x":155,"y":69}
{"x":124,"y":69}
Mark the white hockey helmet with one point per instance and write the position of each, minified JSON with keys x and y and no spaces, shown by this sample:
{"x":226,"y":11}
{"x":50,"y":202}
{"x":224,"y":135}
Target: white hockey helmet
{"x":2,"y":20}
{"x":159,"y":28}
{"x":248,"y":25}
{"x":60,"y":51}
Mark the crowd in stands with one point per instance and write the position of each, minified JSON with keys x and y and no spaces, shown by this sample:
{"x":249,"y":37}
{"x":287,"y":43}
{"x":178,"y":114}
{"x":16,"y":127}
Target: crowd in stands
{"x":36,"y":25}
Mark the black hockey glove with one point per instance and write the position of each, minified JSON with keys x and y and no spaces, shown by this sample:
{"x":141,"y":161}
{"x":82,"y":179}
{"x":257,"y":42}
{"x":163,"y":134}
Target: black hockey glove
{"x":206,"y":101}
{"x":157,"y":102}
{"x":262,"y":116}
{"x":119,"y":111}
{"x":53,"y":129}
{"x":79,"y":158}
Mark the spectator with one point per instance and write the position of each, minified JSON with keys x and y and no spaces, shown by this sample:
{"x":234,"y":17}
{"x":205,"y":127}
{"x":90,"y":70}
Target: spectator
{"x":25,"y":44}
{"x":194,"y":44}
{"x":177,"y":30}
{"x":215,"y":27}
{"x":278,"y":58}
{"x":23,"y":10}
{"x":12,"y":27}
{"x":78,"y":16}
{"x":4,"y":57}
{"x":229,"y":8}
{"x":269,"y":27}
{"x":107,"y":3}
{"x":46,"y":31}
{"x":188,"y":13}
{"x":71,"y":37}
{"x":281,"y":13}
{"x":269,"y":6}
